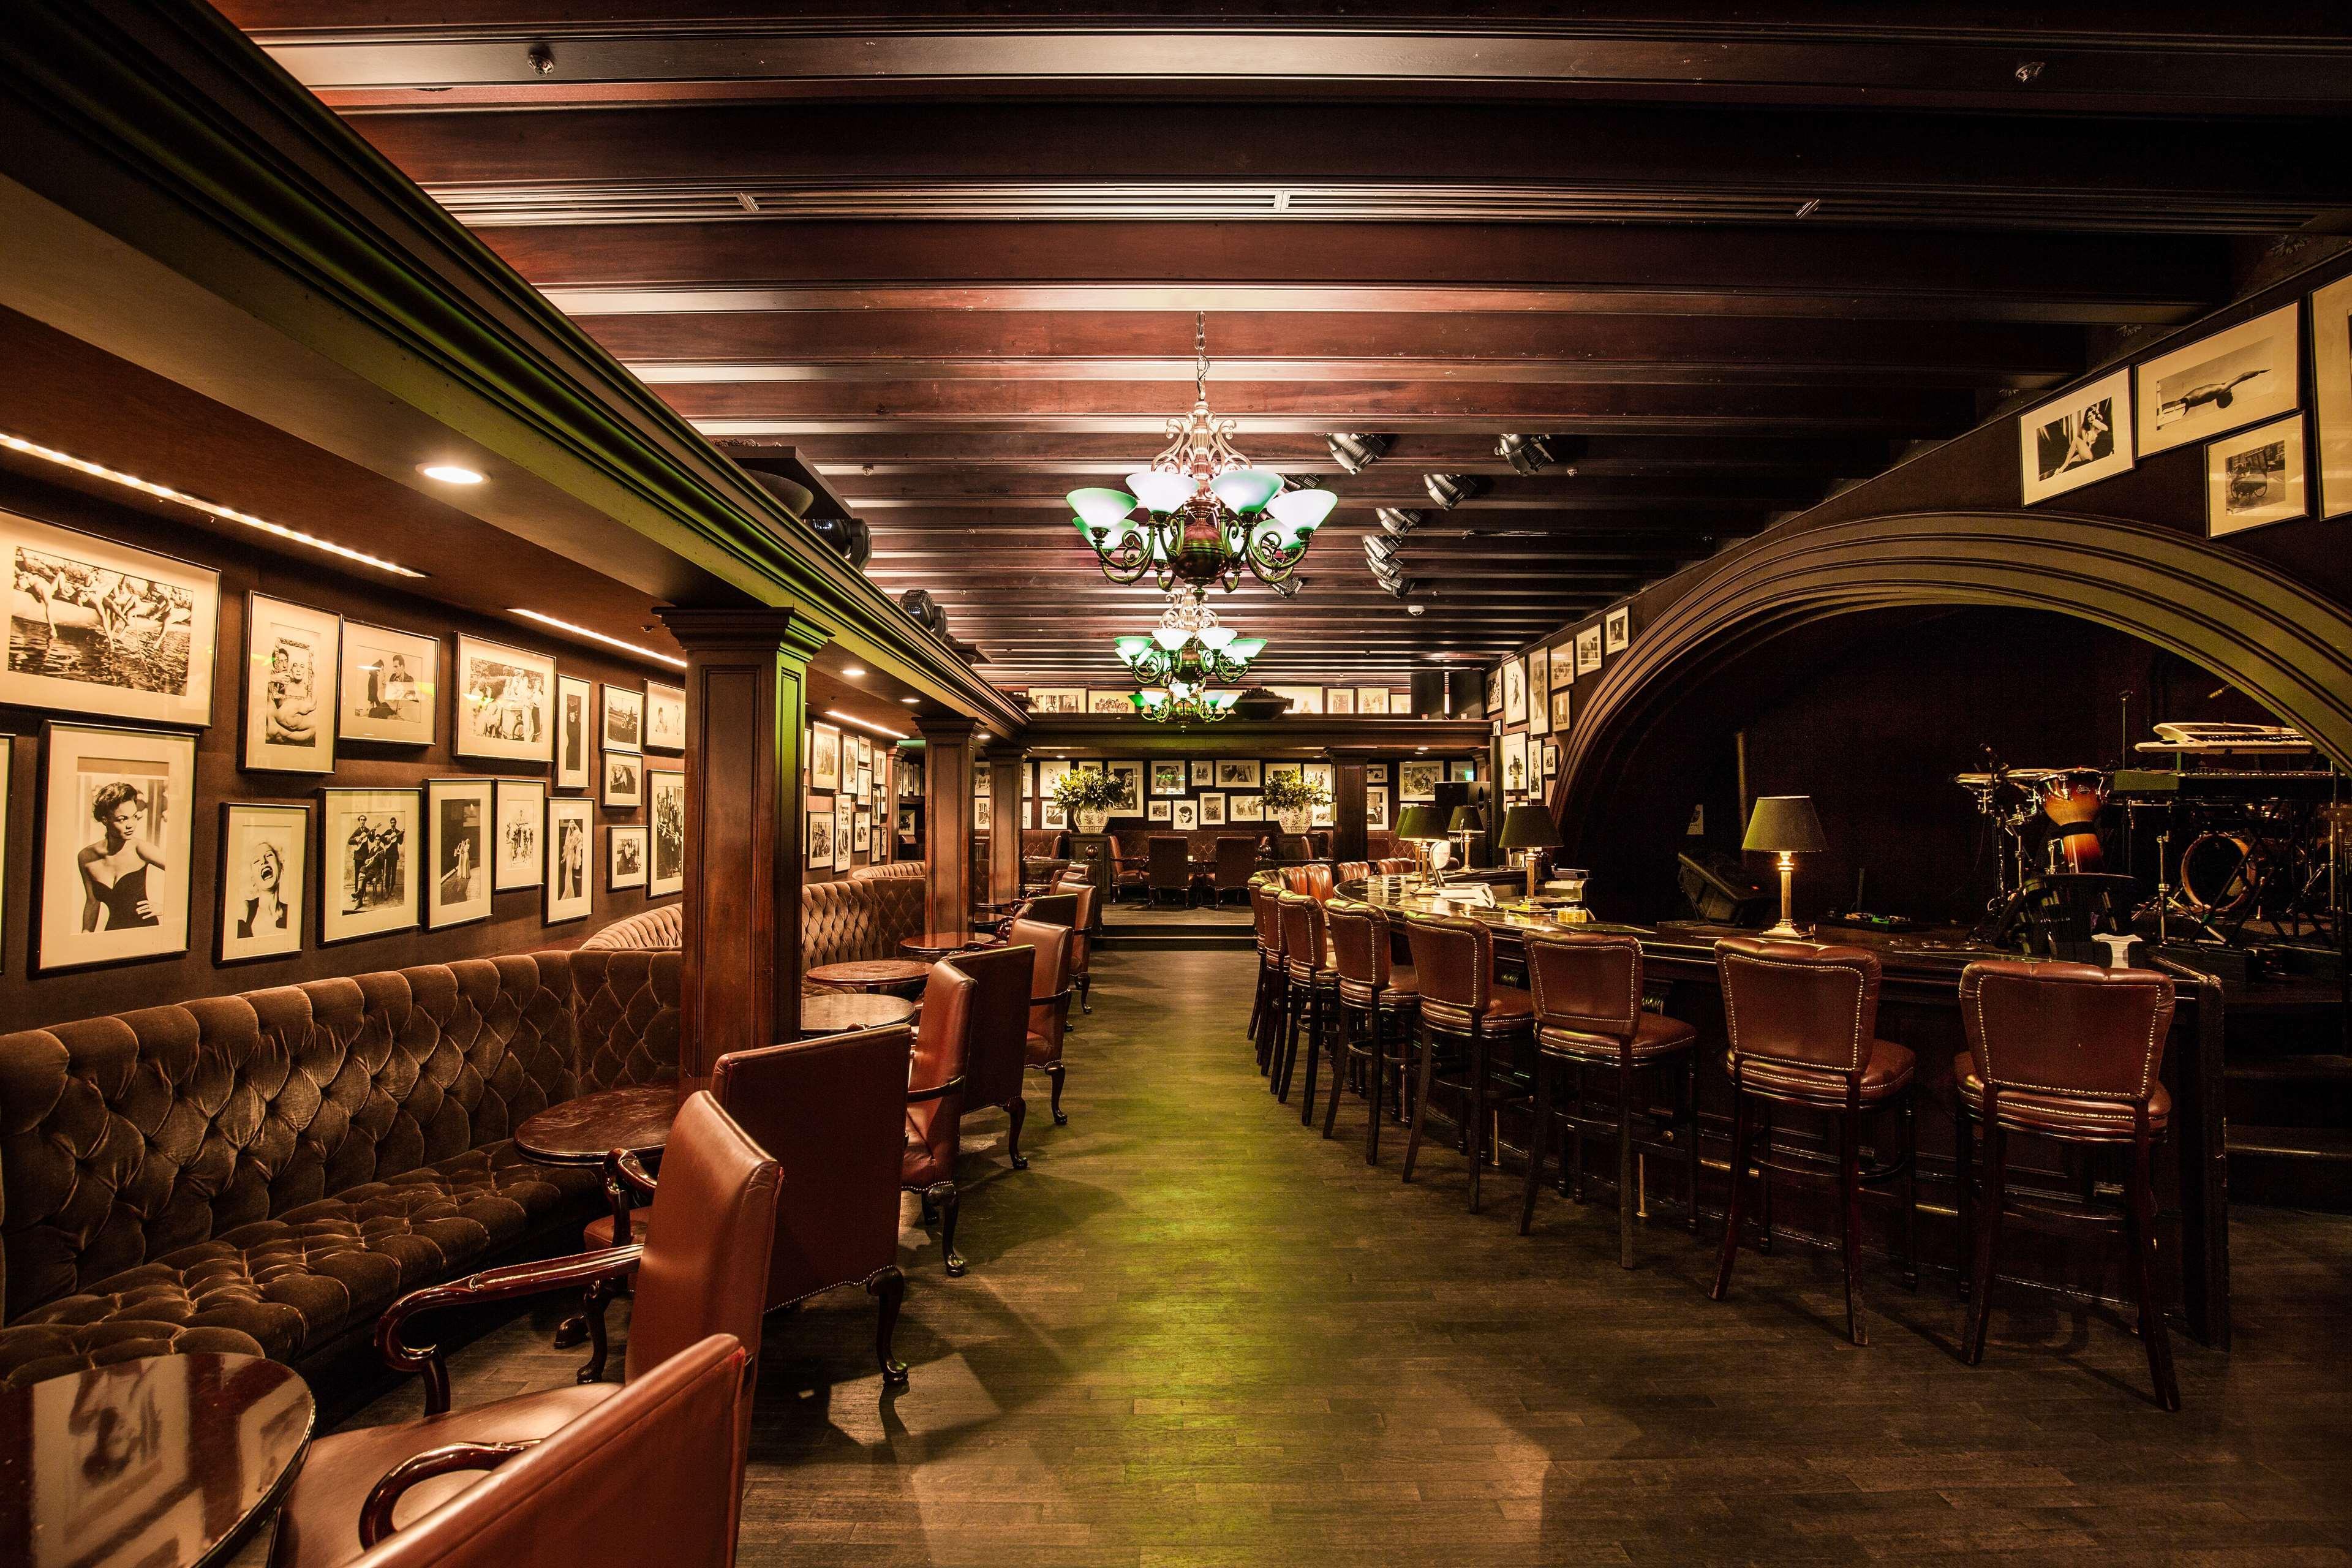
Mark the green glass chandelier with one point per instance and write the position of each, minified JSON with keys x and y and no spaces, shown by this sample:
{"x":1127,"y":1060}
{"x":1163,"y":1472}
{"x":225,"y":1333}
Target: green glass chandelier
{"x":1189,"y":645}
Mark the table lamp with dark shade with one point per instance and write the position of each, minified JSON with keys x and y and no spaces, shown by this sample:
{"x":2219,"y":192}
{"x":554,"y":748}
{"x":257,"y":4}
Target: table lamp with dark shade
{"x":1531,"y":829}
{"x":1467,"y":820}
{"x":1421,"y":826}
{"x":1785,"y":825}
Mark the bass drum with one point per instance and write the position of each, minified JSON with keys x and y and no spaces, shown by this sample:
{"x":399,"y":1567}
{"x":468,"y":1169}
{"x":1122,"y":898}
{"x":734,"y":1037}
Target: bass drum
{"x":2219,"y":873}
{"x":2071,"y":799}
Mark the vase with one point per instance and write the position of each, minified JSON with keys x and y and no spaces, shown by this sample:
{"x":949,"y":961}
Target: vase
{"x":1093,"y":821}
{"x":1292,"y":818}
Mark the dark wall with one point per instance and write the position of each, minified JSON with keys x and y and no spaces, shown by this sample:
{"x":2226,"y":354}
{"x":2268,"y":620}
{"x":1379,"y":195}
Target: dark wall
{"x":515,"y":923}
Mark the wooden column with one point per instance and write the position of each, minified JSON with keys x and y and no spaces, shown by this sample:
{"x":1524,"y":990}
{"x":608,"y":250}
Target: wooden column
{"x":1348,"y":841}
{"x":1005,"y":823}
{"x":746,"y":704}
{"x":947,"y":819}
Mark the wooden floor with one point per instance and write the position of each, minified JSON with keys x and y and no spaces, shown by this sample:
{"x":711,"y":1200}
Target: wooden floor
{"x":1195,"y":1333}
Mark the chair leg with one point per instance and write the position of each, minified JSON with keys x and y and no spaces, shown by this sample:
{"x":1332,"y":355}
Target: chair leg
{"x":1996,"y":1170}
{"x":1734,"y":1203}
{"x":1379,"y":1076}
{"x":1476,"y":1122}
{"x":948,"y":1202}
{"x":1572,"y":1182}
{"x":1690,"y":1141}
{"x":889,"y":1290}
{"x":1057,"y":1072}
{"x":1317,"y":1028}
{"x":1343,"y":1054}
{"x":1287,"y":1052}
{"x":1086,"y":992}
{"x":593,"y":1302}
{"x":1964,"y":1140}
{"x":1538,"y":1143}
{"x":1625,"y":1161}
{"x":1910,"y":1190}
{"x":1017,"y":1109}
{"x":2141,"y":1203}
{"x":1428,"y":1047}
{"x":1764,"y":1179}
{"x":1850,"y":1203}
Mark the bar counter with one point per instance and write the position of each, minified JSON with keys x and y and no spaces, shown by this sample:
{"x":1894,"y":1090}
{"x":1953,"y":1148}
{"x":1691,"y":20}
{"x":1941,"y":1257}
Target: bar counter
{"x":1919,"y":1008}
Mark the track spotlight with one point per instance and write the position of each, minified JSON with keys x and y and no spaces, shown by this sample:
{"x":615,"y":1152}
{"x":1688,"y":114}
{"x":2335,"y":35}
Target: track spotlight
{"x":1380,"y":551}
{"x":1400,"y":587}
{"x":1529,"y":455}
{"x":1450,"y":491}
{"x":1398,"y":521}
{"x":1354,"y":454}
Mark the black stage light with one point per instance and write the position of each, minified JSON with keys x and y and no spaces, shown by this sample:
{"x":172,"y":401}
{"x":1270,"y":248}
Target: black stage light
{"x":1450,"y":491}
{"x":1529,"y":455}
{"x":1354,"y":454}
{"x":1397,"y":521}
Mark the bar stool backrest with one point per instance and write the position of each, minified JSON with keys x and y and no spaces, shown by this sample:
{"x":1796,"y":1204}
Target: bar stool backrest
{"x":1589,"y":982}
{"x":1303,"y":944}
{"x":2066,"y":1028}
{"x":1265,"y":908}
{"x":1455,"y":958}
{"x":1359,"y":943}
{"x":1807,"y":1004}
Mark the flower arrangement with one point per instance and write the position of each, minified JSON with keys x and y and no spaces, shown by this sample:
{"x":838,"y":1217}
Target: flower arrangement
{"x":1092,"y":790}
{"x":1294,"y":792}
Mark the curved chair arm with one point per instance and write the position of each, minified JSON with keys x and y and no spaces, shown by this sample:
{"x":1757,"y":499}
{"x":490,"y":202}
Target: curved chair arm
{"x":953,"y":1085}
{"x":622,"y":1169}
{"x":612,"y":1265}
{"x":375,"y":1514}
{"x":1062,"y":997}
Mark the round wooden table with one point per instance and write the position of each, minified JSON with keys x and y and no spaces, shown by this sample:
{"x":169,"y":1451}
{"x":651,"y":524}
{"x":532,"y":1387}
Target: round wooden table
{"x":871,"y":974}
{"x":171,"y":1461}
{"x":938,"y":944}
{"x":846,"y":1010}
{"x":581,"y":1133}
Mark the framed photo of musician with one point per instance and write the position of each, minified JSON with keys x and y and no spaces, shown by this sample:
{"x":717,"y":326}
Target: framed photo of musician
{"x":570,"y":833}
{"x":293,"y":682}
{"x":1588,"y":652}
{"x":505,"y":700}
{"x":391,"y":687}
{"x":666,"y":809}
{"x":2076,"y":438}
{"x":117,"y":829}
{"x":625,"y":858}
{"x":1538,"y":686}
{"x":825,"y":758}
{"x":99,"y":627}
{"x":1515,"y":763}
{"x":2241,"y":375}
{"x":575,"y":741}
{"x":1515,"y":691}
{"x":1617,"y":629}
{"x":2255,"y":477}
{"x":624,"y":780}
{"x":625,"y":719}
{"x":265,"y":865}
{"x":518,"y":856}
{"x":2331,"y":399}
{"x":368,"y":843}
{"x":818,"y":814}
{"x":458,"y":814}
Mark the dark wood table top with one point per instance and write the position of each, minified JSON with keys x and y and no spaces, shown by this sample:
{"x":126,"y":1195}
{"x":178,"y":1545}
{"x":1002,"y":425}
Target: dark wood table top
{"x":846,"y":1010}
{"x":870,"y":973}
{"x":171,"y":1461}
{"x":583,"y":1132}
{"x":939,"y":943}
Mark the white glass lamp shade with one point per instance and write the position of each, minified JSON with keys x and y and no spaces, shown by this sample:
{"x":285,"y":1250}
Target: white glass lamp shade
{"x":1302,"y":511}
{"x":1245,"y":648}
{"x":1180,"y":689}
{"x":1170,"y":638}
{"x":1130,"y":648}
{"x":1216,"y":637}
{"x":1246,"y":489}
{"x":1225,"y":698}
{"x":1160,"y":491}
{"x":1101,"y":508}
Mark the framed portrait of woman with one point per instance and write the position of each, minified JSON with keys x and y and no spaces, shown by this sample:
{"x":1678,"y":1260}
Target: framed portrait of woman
{"x":293,"y":677}
{"x":570,"y":844}
{"x":117,"y":825}
{"x":265,"y":862}
{"x":517,"y":857}
{"x":458,"y":815}
{"x":575,"y":732}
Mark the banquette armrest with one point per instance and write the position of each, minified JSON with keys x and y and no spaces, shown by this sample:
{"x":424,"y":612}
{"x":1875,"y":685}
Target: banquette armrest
{"x":610,"y":1268}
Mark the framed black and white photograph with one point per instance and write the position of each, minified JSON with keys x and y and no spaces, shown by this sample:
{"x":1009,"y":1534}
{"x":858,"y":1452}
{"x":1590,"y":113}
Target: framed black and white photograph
{"x":1495,"y":690}
{"x":8,"y":778}
{"x":1158,"y":811}
{"x":1372,"y":699}
{"x":1539,"y":683}
{"x":2255,"y":477}
{"x":1326,"y":774}
{"x":1515,"y":691}
{"x":863,"y":785}
{"x":1617,"y":629}
{"x":1236,"y":774}
{"x":818,"y":814}
{"x":1375,"y":772}
{"x":2076,"y":438}
{"x":1561,"y":707}
{"x":1058,"y":699}
{"x":369,"y":840}
{"x":1131,"y":775}
{"x":505,"y":706}
{"x":1588,"y":652}
{"x":458,"y":816}
{"x":265,"y":865}
{"x":575,"y":732}
{"x":1563,"y":662}
{"x":665,"y":717}
{"x":1515,"y":780}
{"x":845,"y":822}
{"x":624,"y":780}
{"x":117,"y":829}
{"x":1212,"y":808}
{"x":1551,"y":759}
{"x":865,"y":751}
{"x":1184,"y":815}
{"x":623,"y":726}
{"x":1102,"y":702}
{"x":390,"y":690}
{"x":570,"y":841}
{"x":1417,"y":781}
{"x":665,"y":815}
{"x":2331,"y":394}
{"x":99,"y":627}
{"x":1168,"y":778}
{"x":861,"y":835}
{"x":1246,"y":807}
{"x":983,"y":812}
{"x":1376,"y":807}
{"x":625,"y":858}
{"x":825,"y":758}
{"x":1339,"y":699}
{"x":1463,"y":772}
{"x":1205,"y":774}
{"x":518,"y":856}
{"x":292,"y":675}
{"x":2241,"y":375}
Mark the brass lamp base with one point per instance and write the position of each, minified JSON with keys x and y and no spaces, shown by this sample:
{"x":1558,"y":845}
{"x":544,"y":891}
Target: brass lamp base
{"x":1787,"y":928}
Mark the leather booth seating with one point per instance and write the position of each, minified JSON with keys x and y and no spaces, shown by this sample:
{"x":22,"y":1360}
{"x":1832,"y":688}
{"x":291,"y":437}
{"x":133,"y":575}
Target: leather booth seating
{"x":1045,"y":844}
{"x":892,"y":870}
{"x":662,"y":926}
{"x":265,"y":1173}
{"x":844,"y":920}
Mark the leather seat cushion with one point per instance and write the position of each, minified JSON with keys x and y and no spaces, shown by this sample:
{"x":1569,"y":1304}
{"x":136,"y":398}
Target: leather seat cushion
{"x":1887,"y":1070}
{"x":319,"y":1526}
{"x":1654,"y":1036}
{"x":1402,"y":991}
{"x":2061,"y":1115}
{"x":294,"y":1280}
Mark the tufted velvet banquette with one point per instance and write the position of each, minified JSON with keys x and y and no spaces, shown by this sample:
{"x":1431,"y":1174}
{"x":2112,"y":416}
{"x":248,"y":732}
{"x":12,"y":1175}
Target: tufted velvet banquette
{"x":851,"y":919}
{"x":890,"y":871}
{"x":266,"y":1172}
{"x":661,"y":926}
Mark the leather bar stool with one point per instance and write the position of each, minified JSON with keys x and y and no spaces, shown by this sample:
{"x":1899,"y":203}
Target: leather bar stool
{"x":1384,"y":999}
{"x":1454,"y":966}
{"x":1265,"y":1008}
{"x":1802,"y":1017}
{"x":1587,"y":993}
{"x":1311,"y":993}
{"x":2069,"y":1052}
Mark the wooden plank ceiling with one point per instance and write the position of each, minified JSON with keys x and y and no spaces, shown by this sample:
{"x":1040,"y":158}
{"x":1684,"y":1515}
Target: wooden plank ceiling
{"x":953,"y":256}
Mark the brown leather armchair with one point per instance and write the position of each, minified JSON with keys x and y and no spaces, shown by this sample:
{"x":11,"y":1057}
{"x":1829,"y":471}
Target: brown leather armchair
{"x":935,"y":1103}
{"x":700,"y":1271}
{"x":1049,"y":1000}
{"x":1170,"y":865}
{"x":1236,"y":863}
{"x":578,"y":1495}
{"x":996,"y":1051}
{"x":1082,"y":945}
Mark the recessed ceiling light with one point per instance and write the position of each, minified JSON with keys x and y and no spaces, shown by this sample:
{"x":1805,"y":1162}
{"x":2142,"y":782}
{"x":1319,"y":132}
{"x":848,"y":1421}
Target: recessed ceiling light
{"x":449,"y":473}
{"x":910,"y":700}
{"x":851,"y":669}
{"x":580,"y":631}
{"x":862,"y":723}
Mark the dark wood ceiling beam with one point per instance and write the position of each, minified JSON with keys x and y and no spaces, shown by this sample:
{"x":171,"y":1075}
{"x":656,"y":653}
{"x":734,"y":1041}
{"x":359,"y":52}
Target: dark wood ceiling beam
{"x":845,"y":459}
{"x":1566,"y":488}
